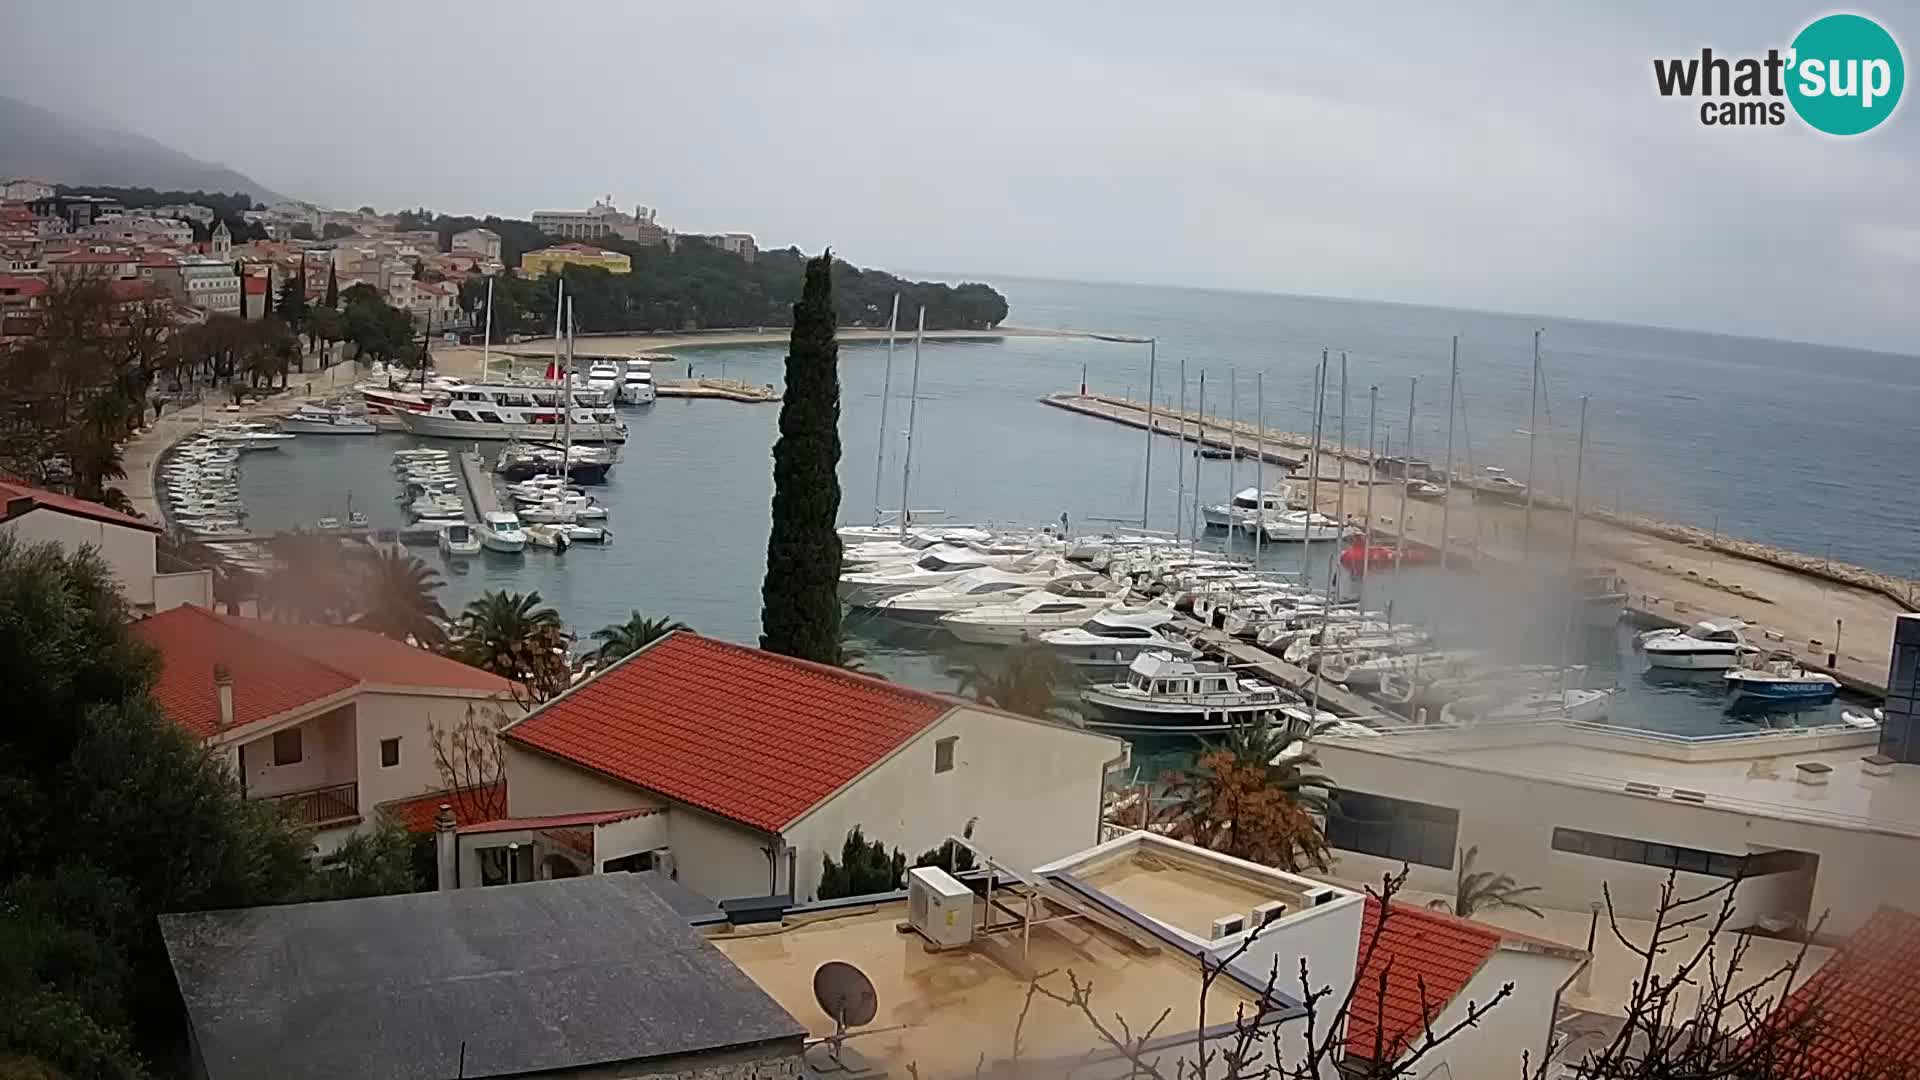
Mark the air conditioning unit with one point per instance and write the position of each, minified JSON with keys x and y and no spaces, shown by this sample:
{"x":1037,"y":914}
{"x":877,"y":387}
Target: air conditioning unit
{"x":939,"y":908}
{"x":1321,"y":895}
{"x":1226,"y":926}
{"x":1271,"y":911}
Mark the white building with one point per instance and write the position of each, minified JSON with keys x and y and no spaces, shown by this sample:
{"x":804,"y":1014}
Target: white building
{"x":1137,"y":918}
{"x":482,"y":242}
{"x":141,"y":229}
{"x":1814,"y":819}
{"x":23,"y":190}
{"x":741,"y":769}
{"x":185,"y":211}
{"x":127,"y":544}
{"x":326,"y":721}
{"x":211,"y":284}
{"x":602,"y":219}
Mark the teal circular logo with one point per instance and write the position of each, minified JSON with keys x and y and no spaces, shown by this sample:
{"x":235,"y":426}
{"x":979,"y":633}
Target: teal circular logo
{"x":1846,"y":74}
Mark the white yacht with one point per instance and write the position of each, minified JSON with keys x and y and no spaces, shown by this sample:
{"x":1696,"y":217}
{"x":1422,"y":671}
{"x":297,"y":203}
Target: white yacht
{"x":500,"y":531}
{"x":1710,"y":645}
{"x":1570,"y":704}
{"x":1364,"y":668}
{"x":636,"y":384}
{"x":877,"y":552}
{"x":1063,"y":604}
{"x":1358,"y":637}
{"x":604,"y":376}
{"x":516,"y":411}
{"x":1300,"y":526}
{"x":1247,"y":506}
{"x":935,"y":565}
{"x":1162,"y":691}
{"x":245,"y":436}
{"x":326,"y":420}
{"x":975,"y":588}
{"x":563,"y":510}
{"x":458,"y":541}
{"x":1112,"y":638}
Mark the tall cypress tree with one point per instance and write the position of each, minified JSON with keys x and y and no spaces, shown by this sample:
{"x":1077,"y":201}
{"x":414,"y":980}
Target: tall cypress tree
{"x":799,"y":600}
{"x":241,"y":273}
{"x":266,"y":303}
{"x":333,"y":289}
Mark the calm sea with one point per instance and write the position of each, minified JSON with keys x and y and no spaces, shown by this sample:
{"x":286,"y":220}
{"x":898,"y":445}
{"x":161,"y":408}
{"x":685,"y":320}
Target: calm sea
{"x":1798,"y":445}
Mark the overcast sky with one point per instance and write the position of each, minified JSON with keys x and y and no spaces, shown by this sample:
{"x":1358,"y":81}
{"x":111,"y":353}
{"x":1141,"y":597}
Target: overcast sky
{"x":1516,"y":158}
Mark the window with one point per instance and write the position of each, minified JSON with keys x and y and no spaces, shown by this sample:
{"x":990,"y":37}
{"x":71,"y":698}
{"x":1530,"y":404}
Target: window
{"x":943,"y":754}
{"x":638,"y":861}
{"x":462,"y":414}
{"x":389,"y":753}
{"x":1674,"y":856}
{"x":286,"y":747}
{"x":1397,"y":829}
{"x":506,"y":865}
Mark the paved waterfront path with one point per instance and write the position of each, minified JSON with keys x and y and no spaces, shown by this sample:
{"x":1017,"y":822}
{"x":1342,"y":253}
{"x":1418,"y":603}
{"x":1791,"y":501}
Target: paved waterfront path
{"x":141,"y":455}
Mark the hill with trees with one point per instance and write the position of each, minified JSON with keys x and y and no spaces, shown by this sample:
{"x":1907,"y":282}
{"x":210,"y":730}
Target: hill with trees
{"x":39,"y":142}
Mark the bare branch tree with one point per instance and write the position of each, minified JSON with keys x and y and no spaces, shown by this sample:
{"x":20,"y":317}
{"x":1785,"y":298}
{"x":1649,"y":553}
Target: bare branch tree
{"x":468,"y":757}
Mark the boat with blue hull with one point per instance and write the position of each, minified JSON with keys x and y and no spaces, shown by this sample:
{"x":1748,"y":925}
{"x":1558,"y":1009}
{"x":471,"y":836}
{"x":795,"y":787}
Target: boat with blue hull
{"x":1781,"y":681}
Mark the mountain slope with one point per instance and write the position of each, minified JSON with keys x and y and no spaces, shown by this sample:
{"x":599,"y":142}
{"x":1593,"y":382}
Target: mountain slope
{"x":40,"y":143}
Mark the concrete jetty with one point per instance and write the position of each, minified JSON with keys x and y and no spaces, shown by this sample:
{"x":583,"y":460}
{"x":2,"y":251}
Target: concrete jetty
{"x":1333,"y":697}
{"x":720,"y":389}
{"x":482,"y":497}
{"x":1191,"y":426}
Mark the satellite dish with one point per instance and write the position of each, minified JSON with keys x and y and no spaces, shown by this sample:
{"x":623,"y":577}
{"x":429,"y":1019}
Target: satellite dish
{"x":846,"y":994}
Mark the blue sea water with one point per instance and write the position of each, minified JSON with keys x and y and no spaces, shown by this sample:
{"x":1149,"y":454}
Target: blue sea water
{"x":1804,"y":446}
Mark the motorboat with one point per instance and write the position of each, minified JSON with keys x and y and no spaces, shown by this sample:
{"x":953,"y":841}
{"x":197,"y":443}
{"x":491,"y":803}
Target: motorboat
{"x":548,"y":536}
{"x":636,"y":383}
{"x":328,"y":524}
{"x":1065,"y":603}
{"x":604,"y":376}
{"x":1425,"y":491}
{"x":500,"y":530}
{"x":246,"y":437}
{"x":582,"y":464}
{"x":1437,"y":685}
{"x":975,"y":588}
{"x":458,"y":540}
{"x":1602,"y":596}
{"x":877,"y":552}
{"x":1709,"y":645}
{"x":584,"y":534}
{"x":1781,"y":680}
{"x":1501,"y":488}
{"x":437,"y":506}
{"x":1162,"y":690}
{"x":563,"y":511}
{"x":1363,"y":668}
{"x":1249,"y":505}
{"x":935,"y":565}
{"x":1353,"y":638}
{"x":356,"y":520}
{"x":1303,"y":526}
{"x":1568,"y":704}
{"x":327,"y":420}
{"x":1112,"y":638}
{"x":489,"y":411}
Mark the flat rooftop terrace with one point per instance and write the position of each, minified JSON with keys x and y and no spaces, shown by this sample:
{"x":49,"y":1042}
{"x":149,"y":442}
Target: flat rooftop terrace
{"x":1179,"y":892}
{"x":960,"y":1005}
{"x":1756,"y":774}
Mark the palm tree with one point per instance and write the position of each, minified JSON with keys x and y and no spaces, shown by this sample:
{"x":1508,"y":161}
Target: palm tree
{"x":1023,"y":681}
{"x":621,"y":640}
{"x":397,"y":601}
{"x":1252,"y":797}
{"x":310,"y":584}
{"x":1474,"y":890}
{"x":514,"y":637}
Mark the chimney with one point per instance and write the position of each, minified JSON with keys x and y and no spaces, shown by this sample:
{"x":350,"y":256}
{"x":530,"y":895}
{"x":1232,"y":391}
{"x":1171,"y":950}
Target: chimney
{"x":446,"y":851}
{"x":223,"y":688}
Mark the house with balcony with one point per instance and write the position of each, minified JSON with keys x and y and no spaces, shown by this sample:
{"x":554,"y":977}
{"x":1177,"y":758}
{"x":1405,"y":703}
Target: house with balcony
{"x":148,"y":578}
{"x":326,"y":721}
{"x":736,"y":770}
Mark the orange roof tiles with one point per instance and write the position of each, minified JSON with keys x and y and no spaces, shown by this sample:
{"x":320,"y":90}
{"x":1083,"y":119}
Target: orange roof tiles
{"x":555,"y":821}
{"x":416,"y":815}
{"x":282,"y":666}
{"x":749,"y":735}
{"x":1865,"y":1003}
{"x":67,"y":504}
{"x":1420,"y":951}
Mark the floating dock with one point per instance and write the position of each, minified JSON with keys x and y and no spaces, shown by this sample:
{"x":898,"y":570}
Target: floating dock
{"x":482,"y":497}
{"x":1333,"y":697}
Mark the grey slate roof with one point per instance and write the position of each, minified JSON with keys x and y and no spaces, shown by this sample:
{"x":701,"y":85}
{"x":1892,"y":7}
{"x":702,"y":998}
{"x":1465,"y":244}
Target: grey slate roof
{"x":549,"y":975}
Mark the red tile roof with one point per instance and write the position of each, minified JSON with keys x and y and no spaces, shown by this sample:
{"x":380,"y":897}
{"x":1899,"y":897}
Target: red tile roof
{"x":18,"y":285}
{"x":1864,"y":1004}
{"x":749,"y":735}
{"x":1419,"y":949}
{"x":556,"y":821}
{"x":281,"y":666}
{"x":67,"y":504}
{"x":255,"y":284}
{"x":416,"y":814}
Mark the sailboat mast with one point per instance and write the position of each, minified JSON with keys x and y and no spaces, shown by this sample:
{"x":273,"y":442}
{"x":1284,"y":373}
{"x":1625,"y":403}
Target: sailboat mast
{"x":886,"y":391}
{"x":1146,"y":476}
{"x":1446,"y":501}
{"x":913,"y":410}
{"x":1313,"y":478}
{"x":1340,"y":499}
{"x":1233,"y":446}
{"x":559,"y":321}
{"x":1573,"y":554}
{"x":1259,"y":468}
{"x":566,"y":403}
{"x":1193,"y":526}
{"x":1533,"y":437}
{"x":1179,"y":467}
{"x":486,"y":335}
{"x":1406,"y":477}
{"x":1366,"y":539}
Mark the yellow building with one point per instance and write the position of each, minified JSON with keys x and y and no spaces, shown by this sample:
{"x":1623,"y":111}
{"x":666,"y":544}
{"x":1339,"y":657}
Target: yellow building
{"x":547,"y":260}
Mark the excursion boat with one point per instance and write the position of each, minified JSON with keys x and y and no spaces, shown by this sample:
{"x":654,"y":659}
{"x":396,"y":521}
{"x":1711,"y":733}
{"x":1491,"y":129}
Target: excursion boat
{"x":1246,"y":507}
{"x":1710,"y":645}
{"x":323,"y":420}
{"x":636,"y":383}
{"x":1164,"y":692}
{"x":500,"y":531}
{"x":1781,"y":681}
{"x":494,"y":411}
{"x":458,"y":541}
{"x":1114,"y":637}
{"x":1059,"y":606}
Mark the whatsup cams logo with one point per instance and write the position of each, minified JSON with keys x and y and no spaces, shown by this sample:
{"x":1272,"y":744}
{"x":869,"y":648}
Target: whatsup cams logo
{"x":1842,"y":75}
